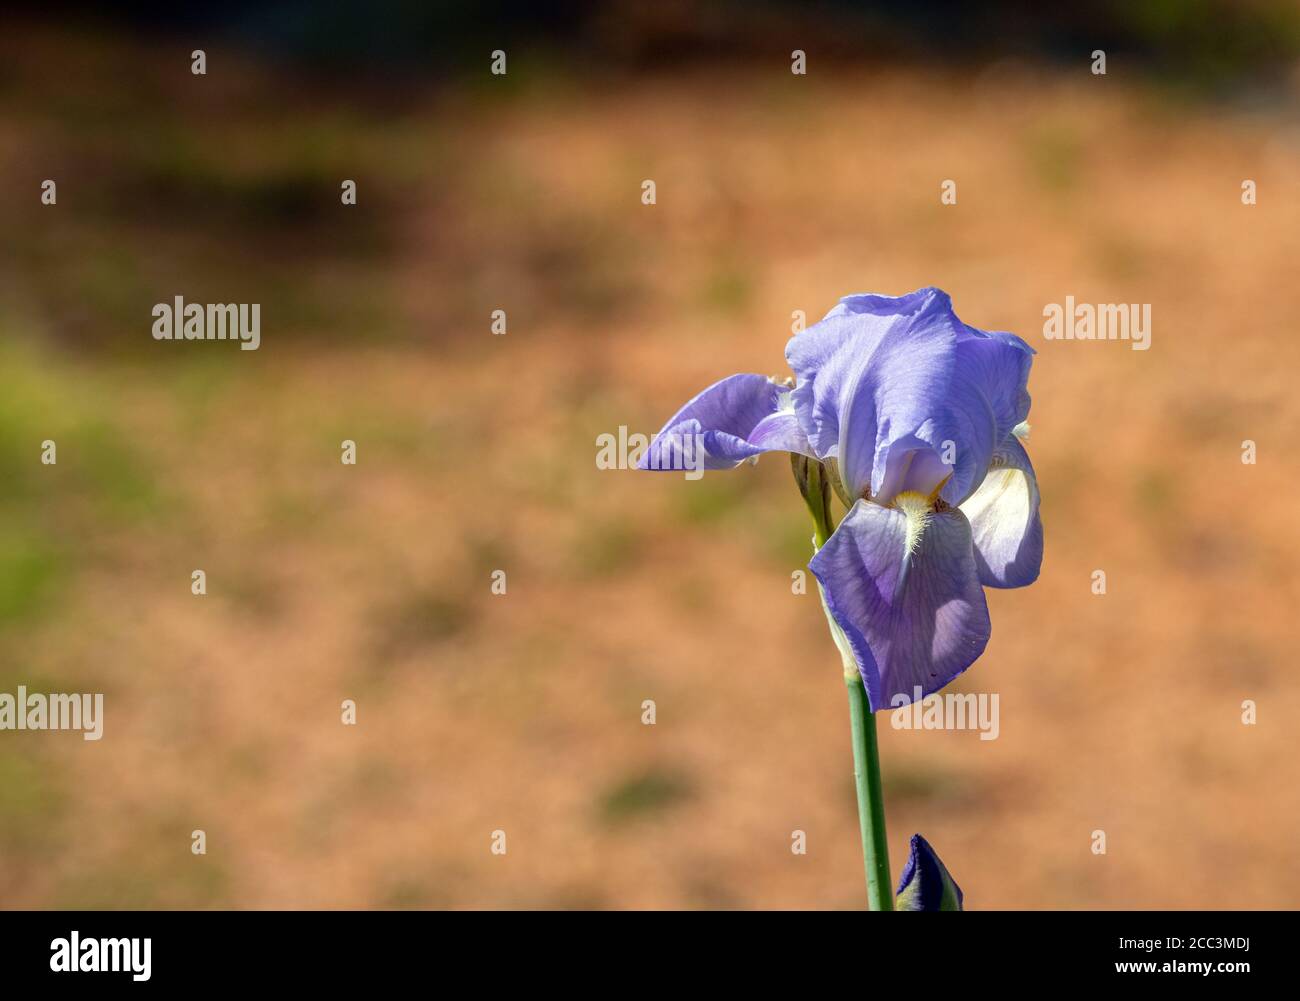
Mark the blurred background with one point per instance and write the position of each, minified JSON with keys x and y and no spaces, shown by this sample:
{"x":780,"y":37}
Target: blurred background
{"x":522,"y":713}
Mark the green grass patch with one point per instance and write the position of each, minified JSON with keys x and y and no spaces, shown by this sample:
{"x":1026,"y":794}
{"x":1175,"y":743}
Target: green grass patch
{"x":644,"y":794}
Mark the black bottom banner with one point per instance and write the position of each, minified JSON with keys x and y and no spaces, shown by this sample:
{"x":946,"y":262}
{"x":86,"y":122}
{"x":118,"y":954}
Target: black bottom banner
{"x":140,"y":950}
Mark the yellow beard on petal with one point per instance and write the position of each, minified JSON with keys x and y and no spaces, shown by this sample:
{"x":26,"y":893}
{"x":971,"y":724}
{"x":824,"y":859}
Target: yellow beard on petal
{"x":917,"y":509}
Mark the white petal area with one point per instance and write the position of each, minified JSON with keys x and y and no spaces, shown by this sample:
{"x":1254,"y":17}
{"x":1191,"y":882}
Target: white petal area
{"x":1004,"y":520}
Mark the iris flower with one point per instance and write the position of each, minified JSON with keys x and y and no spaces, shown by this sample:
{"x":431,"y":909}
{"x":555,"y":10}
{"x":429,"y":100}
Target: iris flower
{"x":918,"y":419}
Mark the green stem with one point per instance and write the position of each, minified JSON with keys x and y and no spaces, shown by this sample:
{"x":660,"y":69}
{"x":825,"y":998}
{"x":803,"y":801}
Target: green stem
{"x":814,"y":482}
{"x":871,"y":800}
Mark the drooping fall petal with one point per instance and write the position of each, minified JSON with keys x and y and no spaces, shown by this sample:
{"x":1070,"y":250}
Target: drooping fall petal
{"x":734,"y":419}
{"x":1004,"y":520}
{"x":904,"y":588}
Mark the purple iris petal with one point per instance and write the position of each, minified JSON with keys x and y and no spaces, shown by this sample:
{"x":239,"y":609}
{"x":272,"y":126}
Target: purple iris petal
{"x":874,"y":369}
{"x":902,"y":393}
{"x":997,"y":364}
{"x":739,"y":417}
{"x":911,"y":607}
{"x":1004,"y":520}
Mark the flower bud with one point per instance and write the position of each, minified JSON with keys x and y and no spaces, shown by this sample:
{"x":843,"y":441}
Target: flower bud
{"x":926,"y":884}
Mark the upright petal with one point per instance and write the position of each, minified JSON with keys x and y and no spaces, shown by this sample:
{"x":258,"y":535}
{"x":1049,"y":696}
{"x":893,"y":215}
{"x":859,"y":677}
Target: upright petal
{"x":873,"y":370}
{"x":926,"y":884}
{"x":1004,"y":520}
{"x":739,"y":417}
{"x":905,"y":591}
{"x":997,"y":365}
{"x":905,"y":396}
